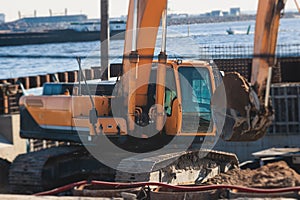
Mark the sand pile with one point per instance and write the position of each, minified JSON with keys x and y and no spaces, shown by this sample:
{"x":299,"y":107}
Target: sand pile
{"x":272,"y":175}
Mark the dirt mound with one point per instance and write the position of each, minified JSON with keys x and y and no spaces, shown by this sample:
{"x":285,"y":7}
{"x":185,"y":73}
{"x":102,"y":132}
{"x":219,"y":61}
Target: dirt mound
{"x":272,"y":175}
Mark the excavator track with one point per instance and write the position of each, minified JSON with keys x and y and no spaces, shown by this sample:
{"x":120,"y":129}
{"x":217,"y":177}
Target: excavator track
{"x":26,"y":172}
{"x":4,"y":167}
{"x":49,"y":168}
{"x":177,"y":167}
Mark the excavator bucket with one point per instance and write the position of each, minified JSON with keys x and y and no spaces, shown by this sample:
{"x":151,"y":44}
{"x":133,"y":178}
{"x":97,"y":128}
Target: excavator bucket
{"x":242,"y":117}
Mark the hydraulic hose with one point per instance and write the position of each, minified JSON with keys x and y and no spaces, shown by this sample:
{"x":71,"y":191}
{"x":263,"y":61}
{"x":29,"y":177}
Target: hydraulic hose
{"x":173,"y":187}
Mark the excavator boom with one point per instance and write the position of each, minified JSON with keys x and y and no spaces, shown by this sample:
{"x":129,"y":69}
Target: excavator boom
{"x":265,"y":41}
{"x":248,"y":111}
{"x":149,"y":15}
{"x":143,"y":21}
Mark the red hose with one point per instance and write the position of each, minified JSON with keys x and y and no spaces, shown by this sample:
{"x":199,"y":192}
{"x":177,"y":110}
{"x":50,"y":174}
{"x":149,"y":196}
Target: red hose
{"x":174,"y":187}
{"x":61,"y":189}
{"x":196,"y":188}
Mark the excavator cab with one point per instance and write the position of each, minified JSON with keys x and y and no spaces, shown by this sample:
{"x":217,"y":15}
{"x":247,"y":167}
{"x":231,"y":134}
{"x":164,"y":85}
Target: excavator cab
{"x":184,"y":94}
{"x":187,"y":104}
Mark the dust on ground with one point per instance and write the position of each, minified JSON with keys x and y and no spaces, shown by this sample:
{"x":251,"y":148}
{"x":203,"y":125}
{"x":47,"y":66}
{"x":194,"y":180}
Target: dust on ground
{"x":272,"y":175}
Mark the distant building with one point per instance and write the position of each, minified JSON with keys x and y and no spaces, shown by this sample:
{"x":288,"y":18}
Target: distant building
{"x":216,"y":13}
{"x":178,"y":16}
{"x":33,"y":24}
{"x":52,"y":19}
{"x":235,"y":11}
{"x":2,"y":18}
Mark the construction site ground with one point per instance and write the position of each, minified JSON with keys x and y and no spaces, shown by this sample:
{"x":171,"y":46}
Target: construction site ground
{"x":270,"y":176}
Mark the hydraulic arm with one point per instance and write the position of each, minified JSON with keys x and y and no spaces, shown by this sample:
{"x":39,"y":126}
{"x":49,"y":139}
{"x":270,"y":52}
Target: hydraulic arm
{"x":143,"y":21}
{"x":248,"y":111}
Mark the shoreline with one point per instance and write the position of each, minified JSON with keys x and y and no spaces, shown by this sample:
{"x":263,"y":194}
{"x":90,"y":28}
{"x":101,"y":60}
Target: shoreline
{"x":201,"y":19}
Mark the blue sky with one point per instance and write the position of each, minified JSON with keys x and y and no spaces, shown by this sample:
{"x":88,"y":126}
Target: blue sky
{"x":117,"y":7}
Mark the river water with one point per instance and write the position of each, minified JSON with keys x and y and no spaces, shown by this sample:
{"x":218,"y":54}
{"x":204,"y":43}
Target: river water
{"x":183,"y":41}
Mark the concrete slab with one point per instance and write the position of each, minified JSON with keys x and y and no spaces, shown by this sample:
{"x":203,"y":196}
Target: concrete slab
{"x":11,"y":144}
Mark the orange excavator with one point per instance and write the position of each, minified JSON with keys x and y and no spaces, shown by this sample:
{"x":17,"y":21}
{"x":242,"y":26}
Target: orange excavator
{"x":158,"y":121}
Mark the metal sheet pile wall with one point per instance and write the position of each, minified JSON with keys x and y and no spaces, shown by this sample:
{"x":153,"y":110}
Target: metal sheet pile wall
{"x":286,"y":103}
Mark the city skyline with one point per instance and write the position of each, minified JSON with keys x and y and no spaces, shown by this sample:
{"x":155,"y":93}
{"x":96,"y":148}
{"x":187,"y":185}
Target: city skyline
{"x":117,"y":7}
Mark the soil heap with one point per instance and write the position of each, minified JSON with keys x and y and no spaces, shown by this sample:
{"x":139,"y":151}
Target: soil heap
{"x":272,"y":175}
